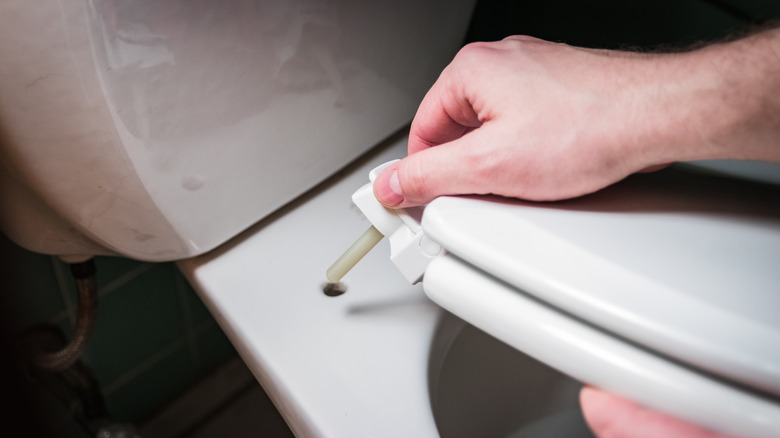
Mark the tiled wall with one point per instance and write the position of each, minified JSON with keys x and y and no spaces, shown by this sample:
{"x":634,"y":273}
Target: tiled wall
{"x":153,"y":337}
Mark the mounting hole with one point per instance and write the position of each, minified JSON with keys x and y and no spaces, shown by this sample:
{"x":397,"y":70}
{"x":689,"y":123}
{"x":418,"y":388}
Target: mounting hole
{"x":334,"y":289}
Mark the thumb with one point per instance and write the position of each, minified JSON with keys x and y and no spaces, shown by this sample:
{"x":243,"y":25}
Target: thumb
{"x":421,"y":177}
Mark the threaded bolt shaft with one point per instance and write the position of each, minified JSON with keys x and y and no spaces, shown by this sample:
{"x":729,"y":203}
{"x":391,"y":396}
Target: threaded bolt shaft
{"x":353,"y":254}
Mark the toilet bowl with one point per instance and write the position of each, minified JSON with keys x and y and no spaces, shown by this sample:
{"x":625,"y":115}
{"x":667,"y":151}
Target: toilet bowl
{"x":222,"y":137}
{"x":381,"y":360}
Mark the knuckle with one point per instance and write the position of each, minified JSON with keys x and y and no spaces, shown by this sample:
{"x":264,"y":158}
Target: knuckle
{"x":477,"y":49}
{"x":471,"y":48}
{"x":472,"y":61}
{"x":519,"y":39}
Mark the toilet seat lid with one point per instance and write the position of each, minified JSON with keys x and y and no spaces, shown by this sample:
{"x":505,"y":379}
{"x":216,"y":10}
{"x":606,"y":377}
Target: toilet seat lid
{"x":684,"y":263}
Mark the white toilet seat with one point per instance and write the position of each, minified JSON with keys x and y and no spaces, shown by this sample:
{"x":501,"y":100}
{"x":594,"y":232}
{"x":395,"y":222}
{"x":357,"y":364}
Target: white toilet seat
{"x":662,"y":288}
{"x":683,"y":263}
{"x":591,"y":355}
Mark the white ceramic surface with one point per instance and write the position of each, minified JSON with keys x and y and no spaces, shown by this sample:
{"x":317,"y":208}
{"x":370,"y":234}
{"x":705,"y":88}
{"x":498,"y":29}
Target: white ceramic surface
{"x":349,"y":366}
{"x":159,"y":129}
{"x":380,"y":360}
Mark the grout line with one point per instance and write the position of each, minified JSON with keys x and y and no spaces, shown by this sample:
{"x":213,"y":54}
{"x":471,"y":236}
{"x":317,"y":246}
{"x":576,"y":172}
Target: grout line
{"x":62,"y":284}
{"x":153,"y":359}
{"x":203,"y":326}
{"x":124,"y":279}
{"x":143,"y":366}
{"x":201,"y":402}
{"x":225,"y":406}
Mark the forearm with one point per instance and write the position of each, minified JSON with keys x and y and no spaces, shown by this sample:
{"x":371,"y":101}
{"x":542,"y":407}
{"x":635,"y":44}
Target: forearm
{"x":726,"y":101}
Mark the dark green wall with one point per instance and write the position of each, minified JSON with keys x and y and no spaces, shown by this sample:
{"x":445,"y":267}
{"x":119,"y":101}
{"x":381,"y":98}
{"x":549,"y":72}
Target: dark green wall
{"x":153,"y":337}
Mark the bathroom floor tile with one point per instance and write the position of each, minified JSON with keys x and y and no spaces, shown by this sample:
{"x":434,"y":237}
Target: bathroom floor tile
{"x":250,"y":414}
{"x":149,"y":386}
{"x":227,"y":403}
{"x":213,"y":347}
{"x":134,"y":323}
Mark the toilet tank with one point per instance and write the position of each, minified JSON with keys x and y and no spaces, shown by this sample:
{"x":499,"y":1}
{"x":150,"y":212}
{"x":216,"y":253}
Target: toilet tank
{"x":159,"y":129}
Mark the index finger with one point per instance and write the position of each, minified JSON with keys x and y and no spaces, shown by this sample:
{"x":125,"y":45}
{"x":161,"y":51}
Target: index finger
{"x":445,"y":114}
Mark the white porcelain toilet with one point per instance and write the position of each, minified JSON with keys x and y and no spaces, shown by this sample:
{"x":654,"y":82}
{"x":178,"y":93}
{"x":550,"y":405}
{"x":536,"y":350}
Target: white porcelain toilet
{"x":232,"y":137}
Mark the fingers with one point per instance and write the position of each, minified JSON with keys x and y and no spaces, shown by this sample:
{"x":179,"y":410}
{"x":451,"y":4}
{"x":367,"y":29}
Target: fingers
{"x":610,"y":416}
{"x":432,"y":172}
{"x":438,"y":126}
{"x":445,"y":114}
{"x":387,"y":188}
{"x":503,"y":122}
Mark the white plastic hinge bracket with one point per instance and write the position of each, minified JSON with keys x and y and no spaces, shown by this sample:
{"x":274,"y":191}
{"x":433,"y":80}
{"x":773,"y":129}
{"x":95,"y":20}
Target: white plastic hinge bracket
{"x":410,"y":249}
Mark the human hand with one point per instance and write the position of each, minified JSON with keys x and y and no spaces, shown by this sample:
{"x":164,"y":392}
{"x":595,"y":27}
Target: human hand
{"x":524,"y":118}
{"x":531,"y":119}
{"x":610,"y":416}
{"x":537,"y":120}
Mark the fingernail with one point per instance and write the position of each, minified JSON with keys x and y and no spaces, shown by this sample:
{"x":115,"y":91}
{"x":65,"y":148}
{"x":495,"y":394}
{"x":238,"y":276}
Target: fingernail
{"x":388,"y":189}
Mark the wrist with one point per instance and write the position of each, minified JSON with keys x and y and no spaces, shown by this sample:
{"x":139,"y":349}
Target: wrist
{"x":722,"y":101}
